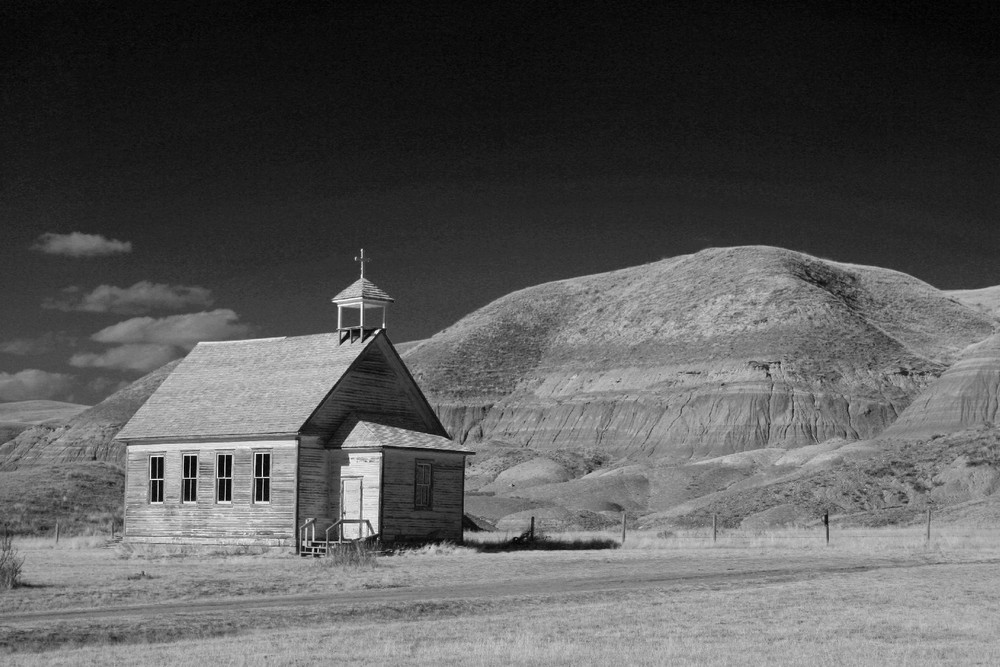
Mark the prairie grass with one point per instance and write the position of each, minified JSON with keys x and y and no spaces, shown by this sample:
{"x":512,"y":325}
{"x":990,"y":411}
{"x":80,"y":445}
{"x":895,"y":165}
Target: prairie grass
{"x":884,"y":616}
{"x":773,"y":597}
{"x":542,"y":541}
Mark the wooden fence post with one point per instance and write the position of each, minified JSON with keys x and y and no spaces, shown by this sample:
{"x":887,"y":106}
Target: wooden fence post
{"x":928,"y":524}
{"x":57,"y":532}
{"x":715,"y":527}
{"x":531,"y":531}
{"x":623,"y":527}
{"x":826,"y":523}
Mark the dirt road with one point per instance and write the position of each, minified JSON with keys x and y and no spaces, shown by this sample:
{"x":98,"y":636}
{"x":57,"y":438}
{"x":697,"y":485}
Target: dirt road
{"x":604,"y":580}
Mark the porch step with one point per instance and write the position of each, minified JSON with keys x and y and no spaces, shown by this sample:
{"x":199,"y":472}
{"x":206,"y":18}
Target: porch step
{"x":317,"y":548}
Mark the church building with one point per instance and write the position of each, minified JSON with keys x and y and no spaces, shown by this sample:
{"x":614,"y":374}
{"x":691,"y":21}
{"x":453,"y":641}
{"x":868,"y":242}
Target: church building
{"x":293,"y":441}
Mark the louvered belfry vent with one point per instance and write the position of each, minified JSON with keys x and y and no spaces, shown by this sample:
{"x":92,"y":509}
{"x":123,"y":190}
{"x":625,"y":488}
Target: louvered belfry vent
{"x":361,"y":307}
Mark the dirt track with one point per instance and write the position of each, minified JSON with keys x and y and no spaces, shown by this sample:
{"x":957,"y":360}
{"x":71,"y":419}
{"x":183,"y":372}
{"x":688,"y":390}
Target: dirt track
{"x":639,"y":577}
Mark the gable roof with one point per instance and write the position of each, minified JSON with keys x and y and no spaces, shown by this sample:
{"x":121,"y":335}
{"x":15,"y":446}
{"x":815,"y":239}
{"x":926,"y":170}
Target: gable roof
{"x":267,"y":386}
{"x":365,"y":433}
{"x":362,"y":288}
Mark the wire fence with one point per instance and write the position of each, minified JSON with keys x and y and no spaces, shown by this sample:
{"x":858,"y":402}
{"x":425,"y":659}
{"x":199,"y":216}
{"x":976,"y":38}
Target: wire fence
{"x":825,"y":531}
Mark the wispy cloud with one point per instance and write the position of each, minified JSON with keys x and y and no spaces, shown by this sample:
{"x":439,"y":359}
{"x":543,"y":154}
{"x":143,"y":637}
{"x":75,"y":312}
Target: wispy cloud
{"x":78,"y":244}
{"x":179,"y":330}
{"x":145,"y":343}
{"x":142,"y":297}
{"x":47,"y":342}
{"x":132,"y":357}
{"x":32,"y":384}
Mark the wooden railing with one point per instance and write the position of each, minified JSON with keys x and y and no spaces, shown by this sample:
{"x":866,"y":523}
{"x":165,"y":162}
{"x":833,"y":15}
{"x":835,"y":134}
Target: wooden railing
{"x":340,"y":524}
{"x":310,"y":524}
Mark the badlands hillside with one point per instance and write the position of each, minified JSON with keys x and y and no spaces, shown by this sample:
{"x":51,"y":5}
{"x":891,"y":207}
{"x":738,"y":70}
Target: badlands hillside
{"x":752,"y":382}
{"x":724,"y":351}
{"x":759,"y":384}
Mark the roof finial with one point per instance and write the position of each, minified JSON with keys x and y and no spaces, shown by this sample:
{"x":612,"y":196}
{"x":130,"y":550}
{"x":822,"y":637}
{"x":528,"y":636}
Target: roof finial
{"x":361,"y":259}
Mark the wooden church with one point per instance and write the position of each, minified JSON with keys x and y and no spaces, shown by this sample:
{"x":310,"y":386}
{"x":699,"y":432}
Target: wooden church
{"x":294,"y":441}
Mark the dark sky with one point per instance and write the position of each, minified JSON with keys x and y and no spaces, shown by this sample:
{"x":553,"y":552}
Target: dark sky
{"x":220,"y":167}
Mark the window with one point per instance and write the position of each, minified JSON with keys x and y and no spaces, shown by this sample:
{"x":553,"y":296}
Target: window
{"x":156,"y":479}
{"x":262,"y":477}
{"x":224,"y":478}
{"x":423,"y":485}
{"x":189,"y":482}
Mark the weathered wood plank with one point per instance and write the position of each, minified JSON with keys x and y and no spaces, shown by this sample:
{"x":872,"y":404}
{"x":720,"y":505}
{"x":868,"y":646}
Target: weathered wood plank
{"x":207,"y":519}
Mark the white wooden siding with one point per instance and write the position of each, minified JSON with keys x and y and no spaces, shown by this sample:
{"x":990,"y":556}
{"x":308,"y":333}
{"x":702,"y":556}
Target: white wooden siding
{"x":206,"y":521}
{"x":401,"y":520}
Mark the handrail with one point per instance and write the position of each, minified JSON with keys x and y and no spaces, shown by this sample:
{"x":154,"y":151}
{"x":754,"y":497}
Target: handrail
{"x":340,"y":524}
{"x":310,"y":522}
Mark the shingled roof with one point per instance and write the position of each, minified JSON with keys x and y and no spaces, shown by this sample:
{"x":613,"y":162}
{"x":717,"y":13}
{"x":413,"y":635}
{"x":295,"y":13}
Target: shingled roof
{"x":362,"y":288}
{"x":366,"y":434}
{"x":268,"y":386}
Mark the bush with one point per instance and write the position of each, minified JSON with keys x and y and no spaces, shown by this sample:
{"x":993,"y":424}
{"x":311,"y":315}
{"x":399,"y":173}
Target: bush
{"x":10,"y":561}
{"x":359,"y":554}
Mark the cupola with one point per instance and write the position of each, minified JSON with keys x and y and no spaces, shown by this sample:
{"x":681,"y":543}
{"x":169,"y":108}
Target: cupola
{"x":361,"y":307}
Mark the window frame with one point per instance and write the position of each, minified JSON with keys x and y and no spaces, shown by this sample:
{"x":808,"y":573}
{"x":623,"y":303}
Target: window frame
{"x":158,"y":481}
{"x":219,"y":479}
{"x":189,"y":484}
{"x":426,"y":503}
{"x":264,"y":497}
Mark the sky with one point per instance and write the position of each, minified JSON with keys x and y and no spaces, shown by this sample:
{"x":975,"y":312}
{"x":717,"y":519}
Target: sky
{"x":205,"y":171}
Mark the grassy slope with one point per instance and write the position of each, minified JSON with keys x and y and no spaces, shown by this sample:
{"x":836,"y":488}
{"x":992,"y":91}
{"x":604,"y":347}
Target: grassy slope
{"x":83,"y":497}
{"x":87,"y":436}
{"x":719,"y":305}
{"x":36,"y":412}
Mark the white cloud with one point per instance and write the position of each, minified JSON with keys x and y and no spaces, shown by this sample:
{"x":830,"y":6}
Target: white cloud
{"x":179,"y":330}
{"x":132,"y":357}
{"x":28,"y":346}
{"x":78,"y":244}
{"x":142,"y":297}
{"x":34,"y":384}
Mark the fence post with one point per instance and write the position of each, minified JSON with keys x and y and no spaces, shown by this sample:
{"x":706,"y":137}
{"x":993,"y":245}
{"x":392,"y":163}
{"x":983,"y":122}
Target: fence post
{"x":715,"y":527}
{"x":826,"y":523}
{"x":57,"y":532}
{"x":531,"y":531}
{"x":623,"y":527}
{"x":928,"y":524}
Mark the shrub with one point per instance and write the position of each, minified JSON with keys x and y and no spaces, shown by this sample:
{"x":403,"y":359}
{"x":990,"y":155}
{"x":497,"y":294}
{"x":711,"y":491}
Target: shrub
{"x":10,"y":561}
{"x":359,"y":554}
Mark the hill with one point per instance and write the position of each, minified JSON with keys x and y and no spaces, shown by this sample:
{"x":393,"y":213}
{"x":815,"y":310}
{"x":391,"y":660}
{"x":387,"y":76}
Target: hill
{"x":19,"y":416}
{"x":694,"y":357}
{"x":86,"y":436}
{"x":759,"y":384}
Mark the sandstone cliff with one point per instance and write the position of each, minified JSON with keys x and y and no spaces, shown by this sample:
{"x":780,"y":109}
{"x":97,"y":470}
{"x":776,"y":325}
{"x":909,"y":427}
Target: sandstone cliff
{"x":967,"y":395}
{"x":698,"y":356}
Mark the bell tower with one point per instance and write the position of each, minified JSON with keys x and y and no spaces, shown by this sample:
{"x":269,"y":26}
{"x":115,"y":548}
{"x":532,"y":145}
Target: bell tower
{"x":361,"y":307}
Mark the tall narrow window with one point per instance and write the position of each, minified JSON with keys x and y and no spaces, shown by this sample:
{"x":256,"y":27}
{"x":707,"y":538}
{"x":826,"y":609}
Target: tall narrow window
{"x":156,"y":479}
{"x":224,"y":478}
{"x":423,"y":485}
{"x":262,"y":477}
{"x":189,"y":481}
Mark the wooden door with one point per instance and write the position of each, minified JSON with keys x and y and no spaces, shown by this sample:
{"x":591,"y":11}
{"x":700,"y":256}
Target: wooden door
{"x":350,"y":506}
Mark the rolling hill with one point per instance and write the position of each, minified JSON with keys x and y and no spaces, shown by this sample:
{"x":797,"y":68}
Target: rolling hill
{"x":694,"y":357}
{"x":759,"y":384}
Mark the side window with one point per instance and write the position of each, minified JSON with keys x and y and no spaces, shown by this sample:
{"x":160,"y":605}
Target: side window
{"x":156,"y":479}
{"x":224,"y":478}
{"x":189,"y":480}
{"x":262,"y":477}
{"x":423,"y":485}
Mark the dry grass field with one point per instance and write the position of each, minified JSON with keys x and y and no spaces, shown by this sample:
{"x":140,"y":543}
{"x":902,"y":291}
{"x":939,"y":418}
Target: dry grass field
{"x":874,"y":597}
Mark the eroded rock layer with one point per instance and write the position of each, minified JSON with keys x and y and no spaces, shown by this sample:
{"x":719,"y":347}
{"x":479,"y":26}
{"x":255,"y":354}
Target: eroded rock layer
{"x":723,"y":351}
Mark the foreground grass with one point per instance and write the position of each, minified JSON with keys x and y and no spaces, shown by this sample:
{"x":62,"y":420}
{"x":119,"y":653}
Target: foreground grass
{"x":772,"y":598}
{"x":893,"y":616}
